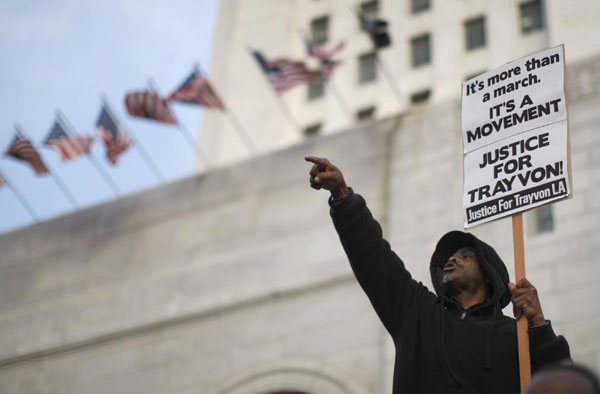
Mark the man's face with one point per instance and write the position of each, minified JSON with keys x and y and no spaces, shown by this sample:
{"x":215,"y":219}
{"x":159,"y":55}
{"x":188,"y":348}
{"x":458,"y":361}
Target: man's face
{"x":462,"y":270}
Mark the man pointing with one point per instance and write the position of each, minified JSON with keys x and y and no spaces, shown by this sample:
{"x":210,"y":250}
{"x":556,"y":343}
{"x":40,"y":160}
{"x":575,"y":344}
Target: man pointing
{"x":455,"y":340}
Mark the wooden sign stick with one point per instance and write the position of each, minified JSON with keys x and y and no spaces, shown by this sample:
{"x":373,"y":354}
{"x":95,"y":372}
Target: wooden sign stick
{"x":522,"y":326}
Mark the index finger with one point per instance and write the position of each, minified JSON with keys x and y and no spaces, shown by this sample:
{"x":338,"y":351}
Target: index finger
{"x":317,"y":160}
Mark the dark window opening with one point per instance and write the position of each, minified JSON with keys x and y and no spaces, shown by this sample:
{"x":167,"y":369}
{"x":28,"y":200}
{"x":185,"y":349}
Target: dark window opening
{"x":544,"y":219}
{"x":475,"y":33}
{"x":312,"y":130}
{"x":370,"y":9}
{"x":316,"y":90}
{"x":531,"y":15}
{"x":367,"y":68}
{"x":319,"y":30}
{"x":365,"y":113}
{"x":420,"y":97}
{"x":421,"y":52}
{"x":417,"y":6}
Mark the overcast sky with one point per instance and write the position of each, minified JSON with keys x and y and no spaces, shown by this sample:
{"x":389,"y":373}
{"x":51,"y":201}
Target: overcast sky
{"x":63,"y":55}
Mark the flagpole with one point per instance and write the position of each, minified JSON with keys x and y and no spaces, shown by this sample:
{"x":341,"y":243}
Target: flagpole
{"x":64,"y":189}
{"x":338,"y":98}
{"x":282,"y":105}
{"x":286,"y":110}
{"x":388,"y":77}
{"x":56,"y":178}
{"x":153,"y":168}
{"x":21,"y":198}
{"x":189,"y":139}
{"x":193,"y":143}
{"x":103,"y":173}
{"x":237,"y":125}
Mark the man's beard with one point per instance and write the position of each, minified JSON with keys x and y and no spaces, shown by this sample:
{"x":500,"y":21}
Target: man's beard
{"x":446,"y":278}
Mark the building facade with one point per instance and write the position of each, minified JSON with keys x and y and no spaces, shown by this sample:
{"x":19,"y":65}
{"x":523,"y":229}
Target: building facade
{"x":435,"y":46}
{"x":234,"y":282}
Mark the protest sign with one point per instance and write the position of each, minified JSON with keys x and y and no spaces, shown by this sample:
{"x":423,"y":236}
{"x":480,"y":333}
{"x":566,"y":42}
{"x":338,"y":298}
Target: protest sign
{"x":515,"y":137}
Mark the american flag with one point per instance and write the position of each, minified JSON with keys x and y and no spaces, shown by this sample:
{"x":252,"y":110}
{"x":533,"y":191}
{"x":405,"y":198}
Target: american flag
{"x":115,"y":138}
{"x":22,"y":149}
{"x":149,"y":105}
{"x":197,"y":90}
{"x":324,"y":56}
{"x":69,"y":147}
{"x":285,"y":74}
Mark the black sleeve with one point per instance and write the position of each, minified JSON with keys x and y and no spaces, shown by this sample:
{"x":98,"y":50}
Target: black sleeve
{"x":546,"y":347}
{"x":379,"y":270}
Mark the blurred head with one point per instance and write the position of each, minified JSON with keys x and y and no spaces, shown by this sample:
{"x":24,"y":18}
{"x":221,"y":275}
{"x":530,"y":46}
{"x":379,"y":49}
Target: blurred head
{"x":564,"y":379}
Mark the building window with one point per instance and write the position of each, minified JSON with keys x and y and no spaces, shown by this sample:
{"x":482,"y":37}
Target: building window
{"x":312,"y":130}
{"x":316,"y":90}
{"x":370,"y":9}
{"x":367,"y":70}
{"x":365,"y":114}
{"x":417,"y":6}
{"x":421,"y":53}
{"x":475,"y":33}
{"x":531,"y":16}
{"x":420,"y":97}
{"x":318,"y":30}
{"x":543,"y":219}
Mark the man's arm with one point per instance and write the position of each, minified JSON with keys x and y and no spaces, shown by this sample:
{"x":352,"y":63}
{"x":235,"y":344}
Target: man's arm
{"x":378,"y":269}
{"x":545,"y":346}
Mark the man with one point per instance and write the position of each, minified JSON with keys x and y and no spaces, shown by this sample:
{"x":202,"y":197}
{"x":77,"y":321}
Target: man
{"x":564,"y":379}
{"x":457,"y":341}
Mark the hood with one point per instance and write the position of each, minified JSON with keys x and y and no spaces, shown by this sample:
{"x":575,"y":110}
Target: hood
{"x":490,"y":262}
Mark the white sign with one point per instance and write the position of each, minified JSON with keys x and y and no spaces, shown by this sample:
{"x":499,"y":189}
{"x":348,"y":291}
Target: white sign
{"x":515,"y":137}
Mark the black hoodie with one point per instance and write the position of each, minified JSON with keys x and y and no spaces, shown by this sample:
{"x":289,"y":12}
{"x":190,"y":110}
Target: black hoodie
{"x":440,"y":348}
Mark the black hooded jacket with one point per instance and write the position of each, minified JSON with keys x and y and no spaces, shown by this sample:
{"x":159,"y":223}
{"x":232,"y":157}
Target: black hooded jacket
{"x":440,"y":347}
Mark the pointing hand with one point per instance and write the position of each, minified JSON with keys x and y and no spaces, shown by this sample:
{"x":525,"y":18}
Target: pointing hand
{"x":324,"y":175}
